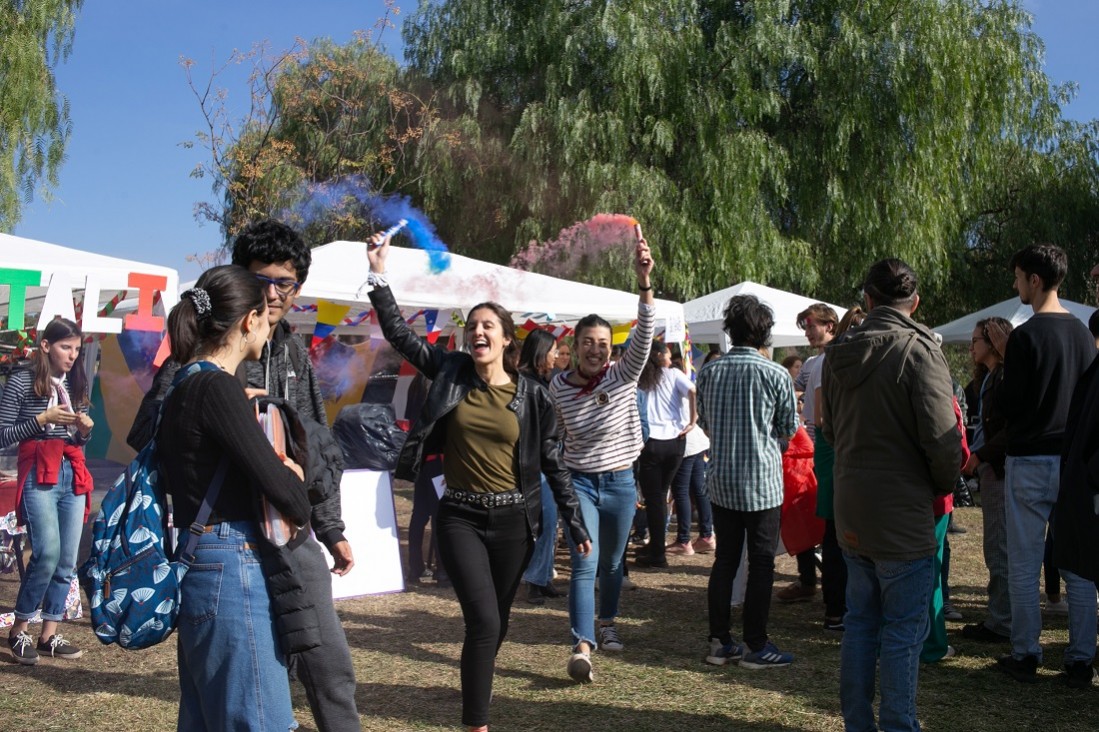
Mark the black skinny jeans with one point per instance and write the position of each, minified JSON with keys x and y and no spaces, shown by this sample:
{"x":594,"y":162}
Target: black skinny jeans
{"x":659,"y":463}
{"x":484,"y":551}
{"x":425,"y":504}
{"x":762,"y":539}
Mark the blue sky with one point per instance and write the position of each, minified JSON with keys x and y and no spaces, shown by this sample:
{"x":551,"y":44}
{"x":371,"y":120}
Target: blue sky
{"x":125,"y":188}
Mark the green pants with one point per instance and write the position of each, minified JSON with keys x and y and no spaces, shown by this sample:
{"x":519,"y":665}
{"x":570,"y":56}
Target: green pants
{"x":934,"y":648}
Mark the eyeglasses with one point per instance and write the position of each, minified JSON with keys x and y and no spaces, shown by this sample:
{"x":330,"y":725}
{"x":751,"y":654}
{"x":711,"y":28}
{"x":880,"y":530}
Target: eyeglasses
{"x":283,"y":286}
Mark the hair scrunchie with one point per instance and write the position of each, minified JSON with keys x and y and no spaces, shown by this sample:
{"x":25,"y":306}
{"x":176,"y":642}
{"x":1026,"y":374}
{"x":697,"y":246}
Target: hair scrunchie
{"x":201,"y":299}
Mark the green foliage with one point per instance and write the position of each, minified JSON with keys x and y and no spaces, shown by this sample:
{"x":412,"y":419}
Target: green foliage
{"x":791,"y":142}
{"x":34,"y":116}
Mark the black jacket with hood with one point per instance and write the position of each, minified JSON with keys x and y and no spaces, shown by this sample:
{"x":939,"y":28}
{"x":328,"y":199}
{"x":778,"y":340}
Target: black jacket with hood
{"x":1076,"y":520}
{"x":889,"y":413}
{"x":453,"y":375}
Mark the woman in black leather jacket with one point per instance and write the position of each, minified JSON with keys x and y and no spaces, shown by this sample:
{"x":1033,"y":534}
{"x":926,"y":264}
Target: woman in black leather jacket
{"x":497,"y":432}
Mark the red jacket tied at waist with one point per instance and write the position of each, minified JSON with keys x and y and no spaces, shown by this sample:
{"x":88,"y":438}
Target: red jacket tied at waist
{"x":45,"y":457}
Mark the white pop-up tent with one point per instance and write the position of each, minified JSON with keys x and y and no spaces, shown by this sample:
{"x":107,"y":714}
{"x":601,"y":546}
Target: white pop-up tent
{"x":1014,"y":311}
{"x":37,"y":278}
{"x":339,"y":269}
{"x":706,"y":314}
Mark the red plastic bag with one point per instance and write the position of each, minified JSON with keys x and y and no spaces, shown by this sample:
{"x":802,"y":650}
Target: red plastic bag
{"x":801,"y":528}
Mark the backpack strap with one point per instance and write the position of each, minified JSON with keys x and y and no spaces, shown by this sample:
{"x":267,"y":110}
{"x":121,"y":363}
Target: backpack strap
{"x":187,"y":551}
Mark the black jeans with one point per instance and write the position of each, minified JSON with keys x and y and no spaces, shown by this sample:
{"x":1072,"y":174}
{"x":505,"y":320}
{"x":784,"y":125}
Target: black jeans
{"x":762,"y":539}
{"x":659,"y":463}
{"x":425,"y":504}
{"x":807,"y":568}
{"x":833,"y":574}
{"x":484,"y":551}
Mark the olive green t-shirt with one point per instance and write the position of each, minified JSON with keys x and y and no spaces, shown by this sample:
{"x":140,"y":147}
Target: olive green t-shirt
{"x":481,"y":436}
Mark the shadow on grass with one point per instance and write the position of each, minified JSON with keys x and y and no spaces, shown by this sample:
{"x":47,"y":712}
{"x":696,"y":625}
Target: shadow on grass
{"x":161,"y":685}
{"x":434,"y":705}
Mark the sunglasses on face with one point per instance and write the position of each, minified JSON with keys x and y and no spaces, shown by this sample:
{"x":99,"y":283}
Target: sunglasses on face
{"x":283,"y":286}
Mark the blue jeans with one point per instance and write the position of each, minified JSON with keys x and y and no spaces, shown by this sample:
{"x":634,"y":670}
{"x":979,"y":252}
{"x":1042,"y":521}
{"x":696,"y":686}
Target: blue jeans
{"x":232,"y":674}
{"x":887,"y":616}
{"x":540,"y":569}
{"x":55,"y":519}
{"x":607,"y":503}
{"x":691,"y":481}
{"x":1081,"y":618}
{"x":1031,"y":484}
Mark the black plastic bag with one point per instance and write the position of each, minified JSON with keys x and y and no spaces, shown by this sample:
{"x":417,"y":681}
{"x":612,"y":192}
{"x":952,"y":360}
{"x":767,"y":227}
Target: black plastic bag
{"x":369,"y":436}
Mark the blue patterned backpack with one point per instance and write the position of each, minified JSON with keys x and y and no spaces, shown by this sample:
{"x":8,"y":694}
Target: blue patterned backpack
{"x":132,"y":583}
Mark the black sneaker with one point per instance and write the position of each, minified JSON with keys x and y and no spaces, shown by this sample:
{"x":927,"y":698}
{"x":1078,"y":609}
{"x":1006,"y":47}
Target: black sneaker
{"x":58,"y":647}
{"x":981,"y":632}
{"x":551,"y":591}
{"x":644,"y":560}
{"x":22,"y":648}
{"x":1025,"y":669}
{"x":1077,"y":675}
{"x":534,"y":594}
{"x":834,"y":624}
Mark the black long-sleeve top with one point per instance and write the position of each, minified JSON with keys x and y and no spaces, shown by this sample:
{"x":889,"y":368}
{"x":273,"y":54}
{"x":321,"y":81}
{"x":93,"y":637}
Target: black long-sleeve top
{"x":1044,"y":359}
{"x":207,"y":416}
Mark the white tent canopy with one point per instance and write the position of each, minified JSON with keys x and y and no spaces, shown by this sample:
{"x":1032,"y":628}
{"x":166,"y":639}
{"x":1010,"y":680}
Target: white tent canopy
{"x":64,"y":271}
{"x":339,"y":270}
{"x":705,"y":315}
{"x":1014,"y":311}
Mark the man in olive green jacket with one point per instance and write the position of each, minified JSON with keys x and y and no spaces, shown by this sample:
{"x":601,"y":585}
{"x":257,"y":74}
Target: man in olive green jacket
{"x":888,"y":410}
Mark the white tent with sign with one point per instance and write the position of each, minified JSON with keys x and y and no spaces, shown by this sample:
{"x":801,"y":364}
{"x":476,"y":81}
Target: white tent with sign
{"x":339,"y":271}
{"x":44,"y":280}
{"x":1013,"y":310}
{"x":39,"y":281}
{"x":705,"y":315}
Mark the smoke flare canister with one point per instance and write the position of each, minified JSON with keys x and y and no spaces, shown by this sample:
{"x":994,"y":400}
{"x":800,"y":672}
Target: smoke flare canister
{"x":391,"y":231}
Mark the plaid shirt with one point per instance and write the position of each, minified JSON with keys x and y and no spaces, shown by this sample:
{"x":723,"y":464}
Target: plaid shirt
{"x":745,"y":401}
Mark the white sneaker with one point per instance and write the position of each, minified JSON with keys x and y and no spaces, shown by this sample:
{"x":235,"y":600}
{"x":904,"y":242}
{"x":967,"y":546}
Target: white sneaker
{"x":579,"y":668}
{"x":608,"y":638}
{"x":1056,"y":608}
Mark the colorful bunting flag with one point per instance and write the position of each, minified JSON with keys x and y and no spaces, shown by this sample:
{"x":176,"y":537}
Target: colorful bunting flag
{"x":329,"y":315}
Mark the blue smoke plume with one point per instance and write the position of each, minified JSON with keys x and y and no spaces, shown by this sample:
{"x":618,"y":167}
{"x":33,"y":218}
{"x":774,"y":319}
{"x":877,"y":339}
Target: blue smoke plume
{"x":320,"y":200}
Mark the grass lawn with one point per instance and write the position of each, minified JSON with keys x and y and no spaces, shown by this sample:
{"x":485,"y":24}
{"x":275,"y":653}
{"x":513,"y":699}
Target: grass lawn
{"x":406,"y":649}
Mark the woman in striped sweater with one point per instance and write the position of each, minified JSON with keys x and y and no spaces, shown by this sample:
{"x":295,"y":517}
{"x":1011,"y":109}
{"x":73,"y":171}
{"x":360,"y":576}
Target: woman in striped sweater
{"x":45,"y":410}
{"x":596,"y":405}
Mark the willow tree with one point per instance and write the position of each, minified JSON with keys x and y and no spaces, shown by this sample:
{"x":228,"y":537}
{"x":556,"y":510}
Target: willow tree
{"x":35,"y":35}
{"x":786,"y":141}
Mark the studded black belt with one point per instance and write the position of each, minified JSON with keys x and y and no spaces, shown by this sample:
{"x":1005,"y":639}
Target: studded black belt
{"x":485,"y":500}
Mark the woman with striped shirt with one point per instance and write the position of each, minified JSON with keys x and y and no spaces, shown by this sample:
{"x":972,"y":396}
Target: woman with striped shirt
{"x":45,"y":410}
{"x":596,"y":405}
